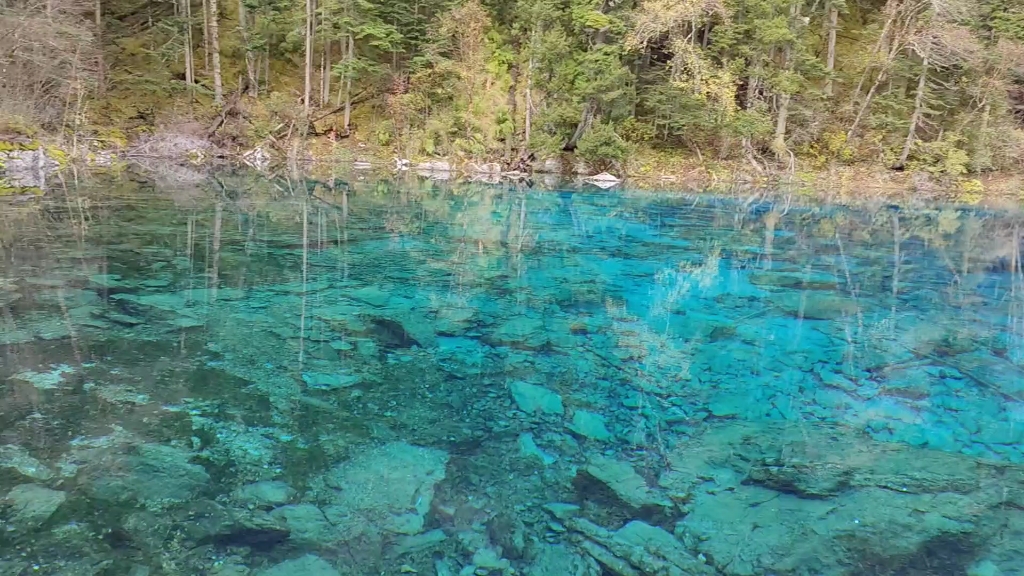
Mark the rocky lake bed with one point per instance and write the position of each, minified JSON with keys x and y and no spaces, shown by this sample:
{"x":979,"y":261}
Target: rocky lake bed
{"x":478,"y":379}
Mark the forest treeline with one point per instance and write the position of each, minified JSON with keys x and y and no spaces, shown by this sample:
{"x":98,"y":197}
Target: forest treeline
{"x":935,"y":85}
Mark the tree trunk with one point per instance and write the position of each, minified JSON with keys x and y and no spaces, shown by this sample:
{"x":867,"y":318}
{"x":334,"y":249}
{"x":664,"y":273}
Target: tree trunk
{"x":100,"y":66}
{"x":982,"y":155}
{"x":511,"y":100}
{"x":350,"y":54}
{"x":218,"y":82}
{"x":915,"y":119}
{"x":309,"y":58}
{"x":590,"y":107}
{"x":864,"y":105}
{"x":190,"y":64}
{"x":250,"y":60}
{"x":528,"y":123}
{"x":586,"y":119}
{"x":325,"y":75}
{"x":751,"y":96}
{"x":830,"y":58}
{"x":779,"y":142}
{"x":206,"y":36}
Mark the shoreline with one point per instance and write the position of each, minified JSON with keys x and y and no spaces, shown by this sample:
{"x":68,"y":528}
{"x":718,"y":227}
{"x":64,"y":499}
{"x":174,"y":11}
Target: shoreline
{"x":24,"y":165}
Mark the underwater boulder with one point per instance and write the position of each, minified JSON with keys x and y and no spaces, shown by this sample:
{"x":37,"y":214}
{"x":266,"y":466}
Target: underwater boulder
{"x":385,"y":489}
{"x":155,"y":475}
{"x":627,"y":488}
{"x":308,"y":565}
{"x":30,"y":505}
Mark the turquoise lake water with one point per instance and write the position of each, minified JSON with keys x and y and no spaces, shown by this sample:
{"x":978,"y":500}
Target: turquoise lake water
{"x":236,"y":375}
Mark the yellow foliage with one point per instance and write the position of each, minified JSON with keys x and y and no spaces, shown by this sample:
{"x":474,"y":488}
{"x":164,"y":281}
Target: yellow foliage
{"x":57,"y":155}
{"x":705,"y":80}
{"x":949,"y":222}
{"x":18,"y":146}
{"x":970,"y":191}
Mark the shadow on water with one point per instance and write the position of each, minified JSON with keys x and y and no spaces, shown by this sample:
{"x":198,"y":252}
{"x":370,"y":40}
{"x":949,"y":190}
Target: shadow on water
{"x":238,"y":374}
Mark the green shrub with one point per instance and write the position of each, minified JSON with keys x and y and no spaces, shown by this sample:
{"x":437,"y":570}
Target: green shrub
{"x":602,"y":147}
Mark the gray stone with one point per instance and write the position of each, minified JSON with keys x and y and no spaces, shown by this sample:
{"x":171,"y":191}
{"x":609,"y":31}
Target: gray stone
{"x":521,"y":331}
{"x":155,"y":475}
{"x":147,"y":530}
{"x":661,"y":544}
{"x":489,"y":559}
{"x":308,"y":565}
{"x":434,"y":166}
{"x":322,"y":381}
{"x":624,"y":482}
{"x":386,"y":489}
{"x":44,"y":380}
{"x":560,"y":560}
{"x":639,"y":548}
{"x":551,"y":166}
{"x":371,"y":295}
{"x":27,"y":168}
{"x":17,"y":459}
{"x":307,"y":524}
{"x":562,"y":511}
{"x":400,"y":320}
{"x":832,"y":497}
{"x":589,"y":425}
{"x":419,"y":542}
{"x":32,"y":504}
{"x":266,"y":493}
{"x":529,"y":449}
{"x":532,"y":399}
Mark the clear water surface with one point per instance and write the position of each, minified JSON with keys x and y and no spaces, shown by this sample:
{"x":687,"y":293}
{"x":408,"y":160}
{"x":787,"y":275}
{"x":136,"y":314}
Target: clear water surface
{"x":236,"y":375}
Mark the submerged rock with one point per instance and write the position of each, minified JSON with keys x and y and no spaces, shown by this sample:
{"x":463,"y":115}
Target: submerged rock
{"x":560,"y":560}
{"x":589,"y":425}
{"x":637,"y":548}
{"x":521,"y":331}
{"x":31,"y":504}
{"x":814,"y":305}
{"x":266,"y":493}
{"x":306,"y":524}
{"x":386,"y":489}
{"x":794,"y":281}
{"x":17,"y":459}
{"x":833,"y":499}
{"x":154,"y":474}
{"x":308,"y":565}
{"x":321,"y":381}
{"x":45,"y":380}
{"x":528,"y":448}
{"x":418,"y":543}
{"x":623,"y":481}
{"x":532,"y":399}
{"x":404,"y":329}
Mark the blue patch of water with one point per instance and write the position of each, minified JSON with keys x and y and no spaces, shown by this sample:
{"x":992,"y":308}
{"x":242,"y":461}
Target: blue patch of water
{"x":446,"y":378}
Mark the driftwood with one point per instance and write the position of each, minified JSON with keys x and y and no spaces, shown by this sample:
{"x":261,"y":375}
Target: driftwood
{"x":359,"y":99}
{"x":230,"y":108}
